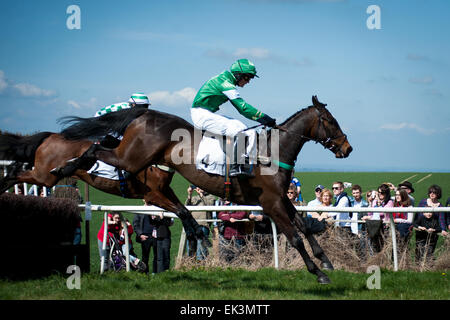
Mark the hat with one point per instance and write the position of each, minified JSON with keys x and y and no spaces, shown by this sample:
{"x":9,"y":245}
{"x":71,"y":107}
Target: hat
{"x":321,"y":187}
{"x":406,"y":184}
{"x":139,"y":98}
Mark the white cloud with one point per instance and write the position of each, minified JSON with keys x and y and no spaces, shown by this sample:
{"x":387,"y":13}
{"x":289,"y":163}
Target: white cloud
{"x":74,"y":104}
{"x":405,"y":125}
{"x":90,"y":104}
{"x":30,"y":90}
{"x":24,"y":89}
{"x":179,"y":98}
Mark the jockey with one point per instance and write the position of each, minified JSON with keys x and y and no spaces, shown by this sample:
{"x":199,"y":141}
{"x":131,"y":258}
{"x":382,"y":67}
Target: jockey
{"x":136,"y":100}
{"x":217,"y":91}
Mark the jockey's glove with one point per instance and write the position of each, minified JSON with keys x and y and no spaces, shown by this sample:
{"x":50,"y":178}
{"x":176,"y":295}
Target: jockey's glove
{"x":267,"y":121}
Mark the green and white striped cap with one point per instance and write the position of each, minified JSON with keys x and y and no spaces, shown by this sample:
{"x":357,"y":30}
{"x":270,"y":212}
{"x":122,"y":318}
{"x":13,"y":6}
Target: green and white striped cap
{"x":139,"y":98}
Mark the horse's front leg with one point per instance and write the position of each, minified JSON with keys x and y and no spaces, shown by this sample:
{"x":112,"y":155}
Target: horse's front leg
{"x":281,"y":213}
{"x":316,"y":248}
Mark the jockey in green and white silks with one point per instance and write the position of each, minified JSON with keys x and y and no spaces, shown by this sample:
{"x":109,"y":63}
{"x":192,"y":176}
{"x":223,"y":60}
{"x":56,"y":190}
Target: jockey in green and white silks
{"x":220,"y":89}
{"x":136,"y":99}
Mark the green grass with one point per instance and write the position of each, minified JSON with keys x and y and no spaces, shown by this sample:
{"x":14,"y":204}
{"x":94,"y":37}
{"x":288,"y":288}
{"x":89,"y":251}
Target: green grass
{"x":229,"y":284}
{"x":240,"y":284}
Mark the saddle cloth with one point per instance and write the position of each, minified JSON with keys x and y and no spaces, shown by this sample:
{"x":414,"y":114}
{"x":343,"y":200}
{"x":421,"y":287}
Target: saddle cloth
{"x":107,"y":171}
{"x":210,"y":156}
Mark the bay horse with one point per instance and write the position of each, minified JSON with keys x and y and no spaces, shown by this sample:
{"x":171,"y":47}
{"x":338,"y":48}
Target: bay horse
{"x":44,"y":151}
{"x":148,"y":139}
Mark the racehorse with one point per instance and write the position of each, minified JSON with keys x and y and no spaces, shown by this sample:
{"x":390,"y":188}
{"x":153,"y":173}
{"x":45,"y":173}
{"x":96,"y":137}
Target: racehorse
{"x":47,"y":150}
{"x":147,"y":139}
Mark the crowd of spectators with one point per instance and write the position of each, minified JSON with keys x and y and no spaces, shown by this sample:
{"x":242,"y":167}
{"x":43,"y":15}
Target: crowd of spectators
{"x":370,"y":228}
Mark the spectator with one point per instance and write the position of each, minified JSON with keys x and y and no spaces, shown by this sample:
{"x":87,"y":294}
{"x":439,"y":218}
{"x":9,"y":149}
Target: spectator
{"x":293,"y":195}
{"x":233,"y":238}
{"x":341,"y":201}
{"x":163,"y":241}
{"x":434,"y":195}
{"x":316,"y":221}
{"x":201,"y":199}
{"x":374,"y":220}
{"x":406,"y":185}
{"x":317,"y":191}
{"x":370,"y":196}
{"x":118,"y":232}
{"x":357,"y":202}
{"x":146,"y":235}
{"x":262,"y":233}
{"x":447,"y":219}
{"x":298,"y":187}
{"x":403,"y":221}
{"x":382,"y":199}
{"x":427,"y":227}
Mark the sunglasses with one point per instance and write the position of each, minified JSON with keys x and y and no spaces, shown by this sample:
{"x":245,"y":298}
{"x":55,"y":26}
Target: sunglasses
{"x":432,"y":191}
{"x":318,"y":190}
{"x":290,"y":192}
{"x":335,"y":188}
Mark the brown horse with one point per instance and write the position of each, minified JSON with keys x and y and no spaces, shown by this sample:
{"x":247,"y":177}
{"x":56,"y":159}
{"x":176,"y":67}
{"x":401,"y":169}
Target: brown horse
{"x":46,"y":150}
{"x":149,"y":139}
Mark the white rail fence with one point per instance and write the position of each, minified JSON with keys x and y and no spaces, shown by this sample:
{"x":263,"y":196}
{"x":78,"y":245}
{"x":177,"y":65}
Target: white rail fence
{"x":153,"y":210}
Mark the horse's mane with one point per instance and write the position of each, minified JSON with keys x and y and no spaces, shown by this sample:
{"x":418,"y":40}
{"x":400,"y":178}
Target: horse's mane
{"x":295,"y":114}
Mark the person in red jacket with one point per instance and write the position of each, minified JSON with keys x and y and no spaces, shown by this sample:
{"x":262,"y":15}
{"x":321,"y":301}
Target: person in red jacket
{"x":116,"y":230}
{"x":233,"y":237}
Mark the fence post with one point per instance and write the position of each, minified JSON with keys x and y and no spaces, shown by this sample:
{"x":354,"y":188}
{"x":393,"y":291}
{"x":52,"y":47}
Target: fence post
{"x":181,"y":248}
{"x":127,"y":245}
{"x":394,"y":241}
{"x":275,"y":243}
{"x":105,"y":233}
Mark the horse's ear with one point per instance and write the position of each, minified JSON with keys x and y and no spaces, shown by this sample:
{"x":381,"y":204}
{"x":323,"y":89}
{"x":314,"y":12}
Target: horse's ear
{"x":317,"y":103}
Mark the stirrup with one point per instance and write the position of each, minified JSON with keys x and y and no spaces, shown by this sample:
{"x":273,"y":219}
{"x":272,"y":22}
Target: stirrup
{"x":242,"y":170}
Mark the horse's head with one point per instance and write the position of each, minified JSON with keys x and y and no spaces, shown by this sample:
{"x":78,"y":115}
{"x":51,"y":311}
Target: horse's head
{"x":327,"y":132}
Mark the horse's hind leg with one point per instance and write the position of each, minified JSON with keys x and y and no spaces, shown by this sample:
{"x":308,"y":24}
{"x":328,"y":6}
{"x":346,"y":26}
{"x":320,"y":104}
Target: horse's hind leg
{"x":169,"y":201}
{"x":316,"y":248}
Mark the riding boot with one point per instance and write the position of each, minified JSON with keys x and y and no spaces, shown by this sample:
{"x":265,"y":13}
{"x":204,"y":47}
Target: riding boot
{"x":242,"y":167}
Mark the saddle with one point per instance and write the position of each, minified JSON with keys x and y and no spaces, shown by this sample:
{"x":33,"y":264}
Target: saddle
{"x":211,"y":157}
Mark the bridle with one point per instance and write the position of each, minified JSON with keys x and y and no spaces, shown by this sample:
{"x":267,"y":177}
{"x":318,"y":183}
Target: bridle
{"x":327,"y":143}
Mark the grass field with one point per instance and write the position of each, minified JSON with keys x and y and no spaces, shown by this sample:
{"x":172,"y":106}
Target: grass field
{"x":242,"y":284}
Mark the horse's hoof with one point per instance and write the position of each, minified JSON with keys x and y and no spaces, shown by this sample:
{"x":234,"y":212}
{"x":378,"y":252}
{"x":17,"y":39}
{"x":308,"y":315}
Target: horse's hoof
{"x":323,"y":279}
{"x":327,"y":266}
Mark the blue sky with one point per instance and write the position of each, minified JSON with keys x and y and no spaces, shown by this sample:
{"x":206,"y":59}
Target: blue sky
{"x":388,"y":87}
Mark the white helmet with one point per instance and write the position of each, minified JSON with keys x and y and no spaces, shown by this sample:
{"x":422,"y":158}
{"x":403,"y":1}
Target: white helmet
{"x":139,"y":98}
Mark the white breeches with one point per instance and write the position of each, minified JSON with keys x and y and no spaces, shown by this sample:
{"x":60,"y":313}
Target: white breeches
{"x":206,"y":120}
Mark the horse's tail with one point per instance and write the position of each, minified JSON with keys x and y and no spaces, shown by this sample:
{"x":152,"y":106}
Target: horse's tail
{"x":98,"y":127}
{"x":21,"y":148}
